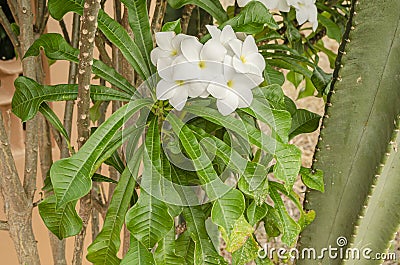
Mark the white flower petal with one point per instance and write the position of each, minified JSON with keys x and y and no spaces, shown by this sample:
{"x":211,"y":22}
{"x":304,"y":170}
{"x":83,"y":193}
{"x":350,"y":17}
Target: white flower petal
{"x":301,"y":15}
{"x":228,"y":104}
{"x":249,"y":46}
{"x":241,"y":81}
{"x":214,"y":31}
{"x":227,"y":34}
{"x":197,"y":89}
{"x":191,"y":48}
{"x":236,"y":46}
{"x":164,"y":40}
{"x":158,"y":53}
{"x":240,"y":66}
{"x":217,"y":90}
{"x":209,"y":70}
{"x":229,"y":70}
{"x":184,"y":70}
{"x":213,"y":50}
{"x":245,"y":96}
{"x":165,"y":89}
{"x":258,"y":60}
{"x":179,"y":99}
{"x":176,"y":42}
{"x":242,"y":2}
{"x":165,"y":69}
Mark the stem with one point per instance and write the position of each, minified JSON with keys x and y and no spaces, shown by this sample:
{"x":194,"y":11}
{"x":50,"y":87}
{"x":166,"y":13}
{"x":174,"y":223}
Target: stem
{"x":7,"y":27}
{"x":69,"y":105}
{"x":18,"y":207}
{"x":186,"y":15}
{"x":88,"y":32}
{"x":158,"y":17}
{"x":12,"y":4}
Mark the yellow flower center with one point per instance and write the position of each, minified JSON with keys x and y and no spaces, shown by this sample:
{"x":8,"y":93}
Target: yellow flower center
{"x":202,"y":64}
{"x":230,"y":83}
{"x":243,"y":59}
{"x":174,"y":53}
{"x":180,"y":82}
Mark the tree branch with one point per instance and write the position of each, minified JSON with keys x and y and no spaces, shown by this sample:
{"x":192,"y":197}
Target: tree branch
{"x":186,"y":15}
{"x":158,"y":16}
{"x":88,"y":31}
{"x":18,"y":207}
{"x":7,"y":27}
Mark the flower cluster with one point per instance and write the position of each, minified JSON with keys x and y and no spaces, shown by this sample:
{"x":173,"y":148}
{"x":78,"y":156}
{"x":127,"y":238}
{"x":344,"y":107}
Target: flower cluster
{"x":305,"y":9}
{"x":225,"y":67}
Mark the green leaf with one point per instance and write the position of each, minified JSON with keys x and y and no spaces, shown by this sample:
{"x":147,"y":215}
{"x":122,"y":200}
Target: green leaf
{"x":279,"y":121}
{"x":71,"y":177}
{"x":294,"y":78}
{"x":149,"y":220}
{"x":62,"y":222}
{"x":105,"y":247}
{"x":290,"y":228}
{"x":272,"y":222}
{"x":308,"y":90}
{"x":138,"y":254}
{"x":241,"y":231}
{"x":101,"y":178}
{"x":29,"y":95}
{"x":174,"y":26}
{"x":139,"y":22}
{"x":184,"y":247}
{"x":213,"y":7}
{"x":228,"y":209}
{"x":273,"y":93}
{"x":205,"y":253}
{"x":247,"y":253}
{"x":56,"y":48}
{"x":332,"y":29}
{"x":304,"y":121}
{"x":321,"y":80}
{"x":256,"y":213}
{"x":313,"y":180}
{"x":254,"y":183}
{"x":52,"y":118}
{"x":59,"y":8}
{"x":252,"y":19}
{"x":288,"y":157}
{"x":273,"y":76}
{"x":165,"y":252}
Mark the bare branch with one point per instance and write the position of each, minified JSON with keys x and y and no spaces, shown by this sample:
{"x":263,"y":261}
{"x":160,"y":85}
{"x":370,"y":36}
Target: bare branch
{"x":18,"y":207}
{"x":64,"y":30}
{"x":88,"y":31}
{"x":158,"y":17}
{"x":13,"y":5}
{"x":7,"y":27}
{"x":186,"y":15}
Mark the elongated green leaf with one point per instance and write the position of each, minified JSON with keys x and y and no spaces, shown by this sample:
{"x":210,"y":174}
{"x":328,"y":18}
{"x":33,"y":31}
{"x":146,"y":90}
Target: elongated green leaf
{"x":213,"y":7}
{"x":29,"y":95}
{"x":355,"y":137}
{"x":248,"y":252}
{"x":174,"y":26}
{"x":313,"y":180}
{"x":205,"y":253}
{"x":111,"y":29}
{"x":287,"y":156}
{"x":56,"y":48}
{"x":149,"y":220}
{"x":101,"y":178}
{"x":273,"y":76}
{"x":332,"y":29}
{"x":241,"y":231}
{"x":52,"y":118}
{"x":252,"y":19}
{"x":63,"y":222}
{"x":304,"y":121}
{"x":139,"y":22}
{"x":165,"y":252}
{"x":105,"y":247}
{"x":256,"y":213}
{"x":184,"y":247}
{"x":290,"y":228}
{"x":138,"y":254}
{"x":278,"y":120}
{"x":71,"y":176}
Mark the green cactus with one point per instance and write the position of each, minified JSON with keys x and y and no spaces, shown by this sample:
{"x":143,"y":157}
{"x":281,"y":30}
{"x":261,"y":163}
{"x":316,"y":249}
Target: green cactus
{"x":360,"y":119}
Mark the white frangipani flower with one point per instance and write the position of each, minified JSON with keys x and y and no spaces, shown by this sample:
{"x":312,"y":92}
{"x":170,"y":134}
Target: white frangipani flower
{"x":306,"y":10}
{"x":169,"y":46}
{"x":177,"y":91}
{"x":247,"y":59}
{"x":224,"y":36}
{"x":233,"y":89}
{"x":198,"y":61}
{"x":281,"y":5}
